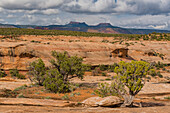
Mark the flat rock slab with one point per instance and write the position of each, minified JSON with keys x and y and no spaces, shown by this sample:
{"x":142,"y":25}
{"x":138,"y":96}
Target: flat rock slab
{"x":35,"y":102}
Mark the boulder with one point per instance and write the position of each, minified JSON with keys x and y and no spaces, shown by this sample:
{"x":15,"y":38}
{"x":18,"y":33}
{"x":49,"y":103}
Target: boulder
{"x":98,"y":101}
{"x":92,"y":101}
{"x":110,"y":101}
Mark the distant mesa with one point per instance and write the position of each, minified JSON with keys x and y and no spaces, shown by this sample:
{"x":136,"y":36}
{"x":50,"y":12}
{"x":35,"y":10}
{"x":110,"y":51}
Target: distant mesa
{"x":78,"y":24}
{"x":83,"y":27}
{"x":104,"y":25}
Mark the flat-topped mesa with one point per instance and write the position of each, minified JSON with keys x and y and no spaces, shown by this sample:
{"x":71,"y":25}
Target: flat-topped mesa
{"x":104,"y":25}
{"x":77,"y":24}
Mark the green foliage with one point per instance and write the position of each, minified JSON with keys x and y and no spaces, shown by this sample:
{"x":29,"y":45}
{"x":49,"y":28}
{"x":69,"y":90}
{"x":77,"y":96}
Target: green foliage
{"x":146,"y":38}
{"x":67,"y":65}
{"x":159,"y":65}
{"x":20,"y":88}
{"x":103,"y":90}
{"x":35,"y":41}
{"x":103,"y":74}
{"x":65,"y":97}
{"x":48,"y":97}
{"x":152,"y":72}
{"x":159,"y":74}
{"x":15,"y":73}
{"x":105,"y":41}
{"x":112,"y":67}
{"x":21,"y":96}
{"x":103,"y":67}
{"x":2,"y":73}
{"x":37,"y":70}
{"x":167,"y":98}
{"x":55,"y":83}
{"x":108,"y":79}
{"x":116,"y":88}
{"x":132,"y":74}
{"x":15,"y":32}
{"x":56,"y":78}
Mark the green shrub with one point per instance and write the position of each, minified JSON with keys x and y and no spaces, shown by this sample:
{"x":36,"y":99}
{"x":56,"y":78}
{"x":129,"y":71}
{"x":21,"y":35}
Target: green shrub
{"x":37,"y":70}
{"x":2,"y":73}
{"x":103,"y":74}
{"x":48,"y":97}
{"x":65,"y":97}
{"x":105,"y":41}
{"x":67,"y":65}
{"x":152,"y":72}
{"x":20,"y":96}
{"x":112,"y":67}
{"x":116,"y":88}
{"x":15,"y":73}
{"x":159,"y":74}
{"x":103,"y":90}
{"x":103,"y":67}
{"x":132,"y":75}
{"x":20,"y":88}
{"x":164,"y":69}
{"x":108,"y":79}
{"x":159,"y":65}
{"x":166,"y":97}
{"x":54,"y":82}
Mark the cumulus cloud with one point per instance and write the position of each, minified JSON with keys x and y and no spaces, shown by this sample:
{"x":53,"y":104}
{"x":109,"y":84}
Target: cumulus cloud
{"x":31,"y":4}
{"x":1,"y":20}
{"x":124,"y":13}
{"x":138,"y":7}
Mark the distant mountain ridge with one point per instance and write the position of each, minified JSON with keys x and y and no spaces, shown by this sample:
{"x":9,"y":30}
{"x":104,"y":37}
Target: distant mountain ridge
{"x":82,"y":26}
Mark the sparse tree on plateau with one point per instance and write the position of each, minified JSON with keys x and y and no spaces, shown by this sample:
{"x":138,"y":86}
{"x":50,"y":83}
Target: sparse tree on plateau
{"x":67,"y":65}
{"x":133,"y":75}
{"x":63,"y":66}
{"x":37,"y":70}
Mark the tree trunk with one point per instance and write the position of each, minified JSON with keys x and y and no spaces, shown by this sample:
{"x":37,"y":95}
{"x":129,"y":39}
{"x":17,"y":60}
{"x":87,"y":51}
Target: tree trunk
{"x":128,"y":100}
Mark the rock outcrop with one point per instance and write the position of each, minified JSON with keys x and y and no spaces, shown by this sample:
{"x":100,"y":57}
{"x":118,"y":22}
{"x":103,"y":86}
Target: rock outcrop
{"x":18,"y":53}
{"x":98,"y":101}
{"x":35,"y":102}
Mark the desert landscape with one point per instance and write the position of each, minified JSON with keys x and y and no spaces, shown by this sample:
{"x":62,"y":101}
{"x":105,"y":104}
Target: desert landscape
{"x":20,"y":94}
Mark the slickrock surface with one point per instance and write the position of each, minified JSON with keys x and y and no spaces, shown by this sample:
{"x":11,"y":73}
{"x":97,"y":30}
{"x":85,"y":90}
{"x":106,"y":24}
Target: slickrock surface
{"x":18,"y":53}
{"x":35,"y":102}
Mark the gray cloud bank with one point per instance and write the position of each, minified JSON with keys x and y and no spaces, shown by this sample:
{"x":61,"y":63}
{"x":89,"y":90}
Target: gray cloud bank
{"x":125,"y":13}
{"x":138,"y":7}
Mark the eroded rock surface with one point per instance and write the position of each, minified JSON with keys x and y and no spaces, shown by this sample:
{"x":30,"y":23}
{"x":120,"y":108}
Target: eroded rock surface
{"x":35,"y":102}
{"x":18,"y":54}
{"x":98,"y":101}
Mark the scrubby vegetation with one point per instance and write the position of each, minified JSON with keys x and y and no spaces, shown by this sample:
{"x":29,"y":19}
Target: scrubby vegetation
{"x":56,"y":77}
{"x":15,"y":73}
{"x":131,"y":75}
{"x":2,"y":73}
{"x":37,"y":70}
{"x":16,"y":32}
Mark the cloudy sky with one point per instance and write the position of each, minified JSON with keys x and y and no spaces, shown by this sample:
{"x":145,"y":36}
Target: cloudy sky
{"x":124,"y":13}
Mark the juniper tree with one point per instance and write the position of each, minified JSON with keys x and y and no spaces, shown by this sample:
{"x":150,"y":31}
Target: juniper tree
{"x":133,"y":75}
{"x":54,"y":82}
{"x":37,"y":70}
{"x":68,"y":65}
